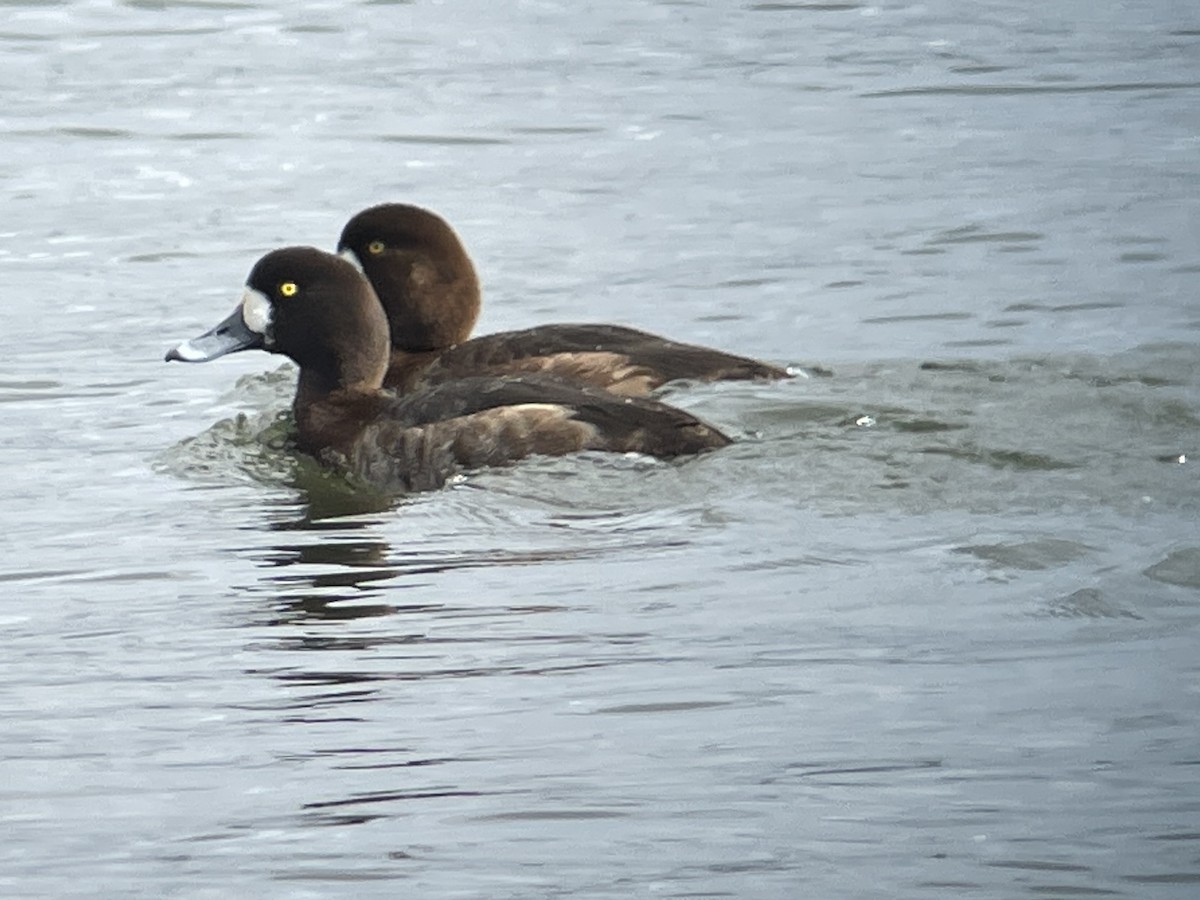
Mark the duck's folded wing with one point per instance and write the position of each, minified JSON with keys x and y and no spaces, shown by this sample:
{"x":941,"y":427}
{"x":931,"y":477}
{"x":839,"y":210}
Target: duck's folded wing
{"x":621,"y":359}
{"x":424,"y":438}
{"x":613,"y":413}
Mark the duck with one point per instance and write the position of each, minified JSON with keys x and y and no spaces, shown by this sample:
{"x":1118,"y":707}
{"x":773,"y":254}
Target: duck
{"x":429,"y":288}
{"x":317,"y":309}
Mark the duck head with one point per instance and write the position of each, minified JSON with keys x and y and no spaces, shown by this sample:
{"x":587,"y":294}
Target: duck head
{"x":312,"y":307}
{"x":420,"y":271}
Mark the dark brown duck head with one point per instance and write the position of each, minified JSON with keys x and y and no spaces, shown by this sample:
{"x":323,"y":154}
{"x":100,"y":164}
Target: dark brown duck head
{"x":318,"y":309}
{"x":420,"y":271}
{"x":313,"y":307}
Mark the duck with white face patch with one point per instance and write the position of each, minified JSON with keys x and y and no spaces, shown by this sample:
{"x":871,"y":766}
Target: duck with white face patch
{"x":423,"y":275}
{"x":317,"y":309}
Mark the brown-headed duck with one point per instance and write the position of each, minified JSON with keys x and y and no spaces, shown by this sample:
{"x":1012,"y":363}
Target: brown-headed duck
{"x":422,"y":273}
{"x":317,"y":309}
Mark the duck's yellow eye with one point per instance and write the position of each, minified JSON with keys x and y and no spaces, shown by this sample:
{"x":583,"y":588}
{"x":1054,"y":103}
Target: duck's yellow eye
{"x":375,"y":248}
{"x":288,"y":289}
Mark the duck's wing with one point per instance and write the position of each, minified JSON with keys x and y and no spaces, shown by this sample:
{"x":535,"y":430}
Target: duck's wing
{"x":621,"y":359}
{"x":421,"y":439}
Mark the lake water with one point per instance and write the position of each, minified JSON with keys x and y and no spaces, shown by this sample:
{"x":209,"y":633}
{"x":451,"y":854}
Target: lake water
{"x":929,"y":629}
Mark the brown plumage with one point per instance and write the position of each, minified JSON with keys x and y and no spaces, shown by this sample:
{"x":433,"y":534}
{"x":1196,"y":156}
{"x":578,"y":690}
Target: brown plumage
{"x":318,"y":310}
{"x":430,"y":291}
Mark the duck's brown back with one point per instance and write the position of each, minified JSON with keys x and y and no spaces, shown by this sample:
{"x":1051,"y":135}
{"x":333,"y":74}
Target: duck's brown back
{"x":417,"y":441}
{"x":620,"y":359}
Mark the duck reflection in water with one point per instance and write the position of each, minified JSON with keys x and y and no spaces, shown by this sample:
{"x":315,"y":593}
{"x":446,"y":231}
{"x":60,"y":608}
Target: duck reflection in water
{"x":337,"y":580}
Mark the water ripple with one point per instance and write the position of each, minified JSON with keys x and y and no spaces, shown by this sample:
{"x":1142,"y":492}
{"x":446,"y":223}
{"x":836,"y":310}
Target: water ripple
{"x":1018,"y":89}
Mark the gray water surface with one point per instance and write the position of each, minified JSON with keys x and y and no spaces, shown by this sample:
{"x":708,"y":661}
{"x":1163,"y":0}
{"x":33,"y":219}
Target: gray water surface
{"x":928,"y":629}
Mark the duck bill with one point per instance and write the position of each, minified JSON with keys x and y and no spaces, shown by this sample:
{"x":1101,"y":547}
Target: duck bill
{"x":230,"y":336}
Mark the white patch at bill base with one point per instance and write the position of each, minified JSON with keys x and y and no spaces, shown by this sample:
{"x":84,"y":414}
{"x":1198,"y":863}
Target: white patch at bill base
{"x":256,"y":310}
{"x":351,"y":257}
